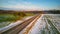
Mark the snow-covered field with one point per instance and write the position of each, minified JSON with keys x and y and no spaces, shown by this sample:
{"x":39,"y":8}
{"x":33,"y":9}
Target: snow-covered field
{"x":47,"y":24}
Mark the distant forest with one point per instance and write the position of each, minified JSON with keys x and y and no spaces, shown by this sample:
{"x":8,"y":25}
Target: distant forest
{"x":43,"y":12}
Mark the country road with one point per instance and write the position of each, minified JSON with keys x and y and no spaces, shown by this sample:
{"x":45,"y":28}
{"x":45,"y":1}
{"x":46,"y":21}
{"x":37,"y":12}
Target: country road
{"x":39,"y":24}
{"x":20,"y":27}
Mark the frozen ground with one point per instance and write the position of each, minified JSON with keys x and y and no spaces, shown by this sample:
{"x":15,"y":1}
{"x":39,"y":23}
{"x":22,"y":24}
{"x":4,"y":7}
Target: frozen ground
{"x":47,"y":24}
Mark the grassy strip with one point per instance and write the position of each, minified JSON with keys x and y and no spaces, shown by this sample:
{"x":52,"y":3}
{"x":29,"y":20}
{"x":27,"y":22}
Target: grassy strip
{"x":13,"y":17}
{"x":6,"y":19}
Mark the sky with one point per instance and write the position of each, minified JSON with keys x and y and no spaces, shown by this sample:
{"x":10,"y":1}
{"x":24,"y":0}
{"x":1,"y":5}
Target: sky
{"x":30,"y":4}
